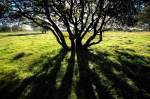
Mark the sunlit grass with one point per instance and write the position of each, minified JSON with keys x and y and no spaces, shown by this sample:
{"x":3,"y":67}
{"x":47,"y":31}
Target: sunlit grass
{"x":24,"y":54}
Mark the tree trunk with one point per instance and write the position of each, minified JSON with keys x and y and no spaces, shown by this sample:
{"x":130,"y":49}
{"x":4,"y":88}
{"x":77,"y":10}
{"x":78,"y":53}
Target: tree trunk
{"x":73,"y":46}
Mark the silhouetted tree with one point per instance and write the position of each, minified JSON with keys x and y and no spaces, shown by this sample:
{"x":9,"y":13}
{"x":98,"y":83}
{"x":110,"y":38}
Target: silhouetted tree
{"x":81,"y":19}
{"x":78,"y":17}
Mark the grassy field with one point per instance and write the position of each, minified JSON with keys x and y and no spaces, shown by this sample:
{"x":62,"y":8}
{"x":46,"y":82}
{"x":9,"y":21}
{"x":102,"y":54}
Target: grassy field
{"x":31,"y":64}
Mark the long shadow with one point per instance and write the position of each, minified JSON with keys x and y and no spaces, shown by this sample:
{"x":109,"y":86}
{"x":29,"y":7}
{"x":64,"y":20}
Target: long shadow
{"x":39,"y":86}
{"x":136,"y":70}
{"x":66,"y":85}
{"x":89,"y":85}
{"x":46,"y":83}
{"x":22,"y":34}
{"x":124,"y":90}
{"x":43,"y":84}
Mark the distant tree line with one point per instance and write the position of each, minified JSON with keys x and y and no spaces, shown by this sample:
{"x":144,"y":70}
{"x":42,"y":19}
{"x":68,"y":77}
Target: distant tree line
{"x":6,"y":28}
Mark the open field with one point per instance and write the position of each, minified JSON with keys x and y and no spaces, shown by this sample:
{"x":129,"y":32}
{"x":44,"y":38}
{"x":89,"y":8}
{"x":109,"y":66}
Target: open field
{"x":33,"y":66}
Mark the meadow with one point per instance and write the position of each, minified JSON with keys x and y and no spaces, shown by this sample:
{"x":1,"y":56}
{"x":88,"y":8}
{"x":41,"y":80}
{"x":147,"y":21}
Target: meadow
{"x":32,"y":63}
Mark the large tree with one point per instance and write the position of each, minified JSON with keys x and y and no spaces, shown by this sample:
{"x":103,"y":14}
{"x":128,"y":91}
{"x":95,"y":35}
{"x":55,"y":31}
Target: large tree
{"x":84,"y":20}
{"x":78,"y":17}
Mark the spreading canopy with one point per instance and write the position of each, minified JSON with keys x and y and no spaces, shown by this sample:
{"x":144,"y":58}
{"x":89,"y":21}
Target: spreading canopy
{"x":77,"y":17}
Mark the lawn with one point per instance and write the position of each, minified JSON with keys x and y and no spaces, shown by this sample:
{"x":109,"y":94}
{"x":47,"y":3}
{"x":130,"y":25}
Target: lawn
{"x":33,"y":66}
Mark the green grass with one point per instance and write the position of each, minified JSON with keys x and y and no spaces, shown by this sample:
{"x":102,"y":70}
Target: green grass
{"x":33,"y":46}
{"x":121,"y":60}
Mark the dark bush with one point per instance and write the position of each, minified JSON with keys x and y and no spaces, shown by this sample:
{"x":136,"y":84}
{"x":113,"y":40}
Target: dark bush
{"x":18,"y":55}
{"x":4,"y":28}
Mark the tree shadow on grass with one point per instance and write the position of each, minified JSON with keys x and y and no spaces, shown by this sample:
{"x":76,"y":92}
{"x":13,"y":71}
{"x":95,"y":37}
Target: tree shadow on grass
{"x":42,"y":85}
{"x":89,"y":85}
{"x":132,"y":78}
{"x":136,"y":68}
{"x":99,"y":77}
{"x":110,"y":80}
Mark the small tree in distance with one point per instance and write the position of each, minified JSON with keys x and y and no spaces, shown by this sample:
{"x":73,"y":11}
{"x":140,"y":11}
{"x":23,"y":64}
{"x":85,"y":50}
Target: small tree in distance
{"x":143,"y":17}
